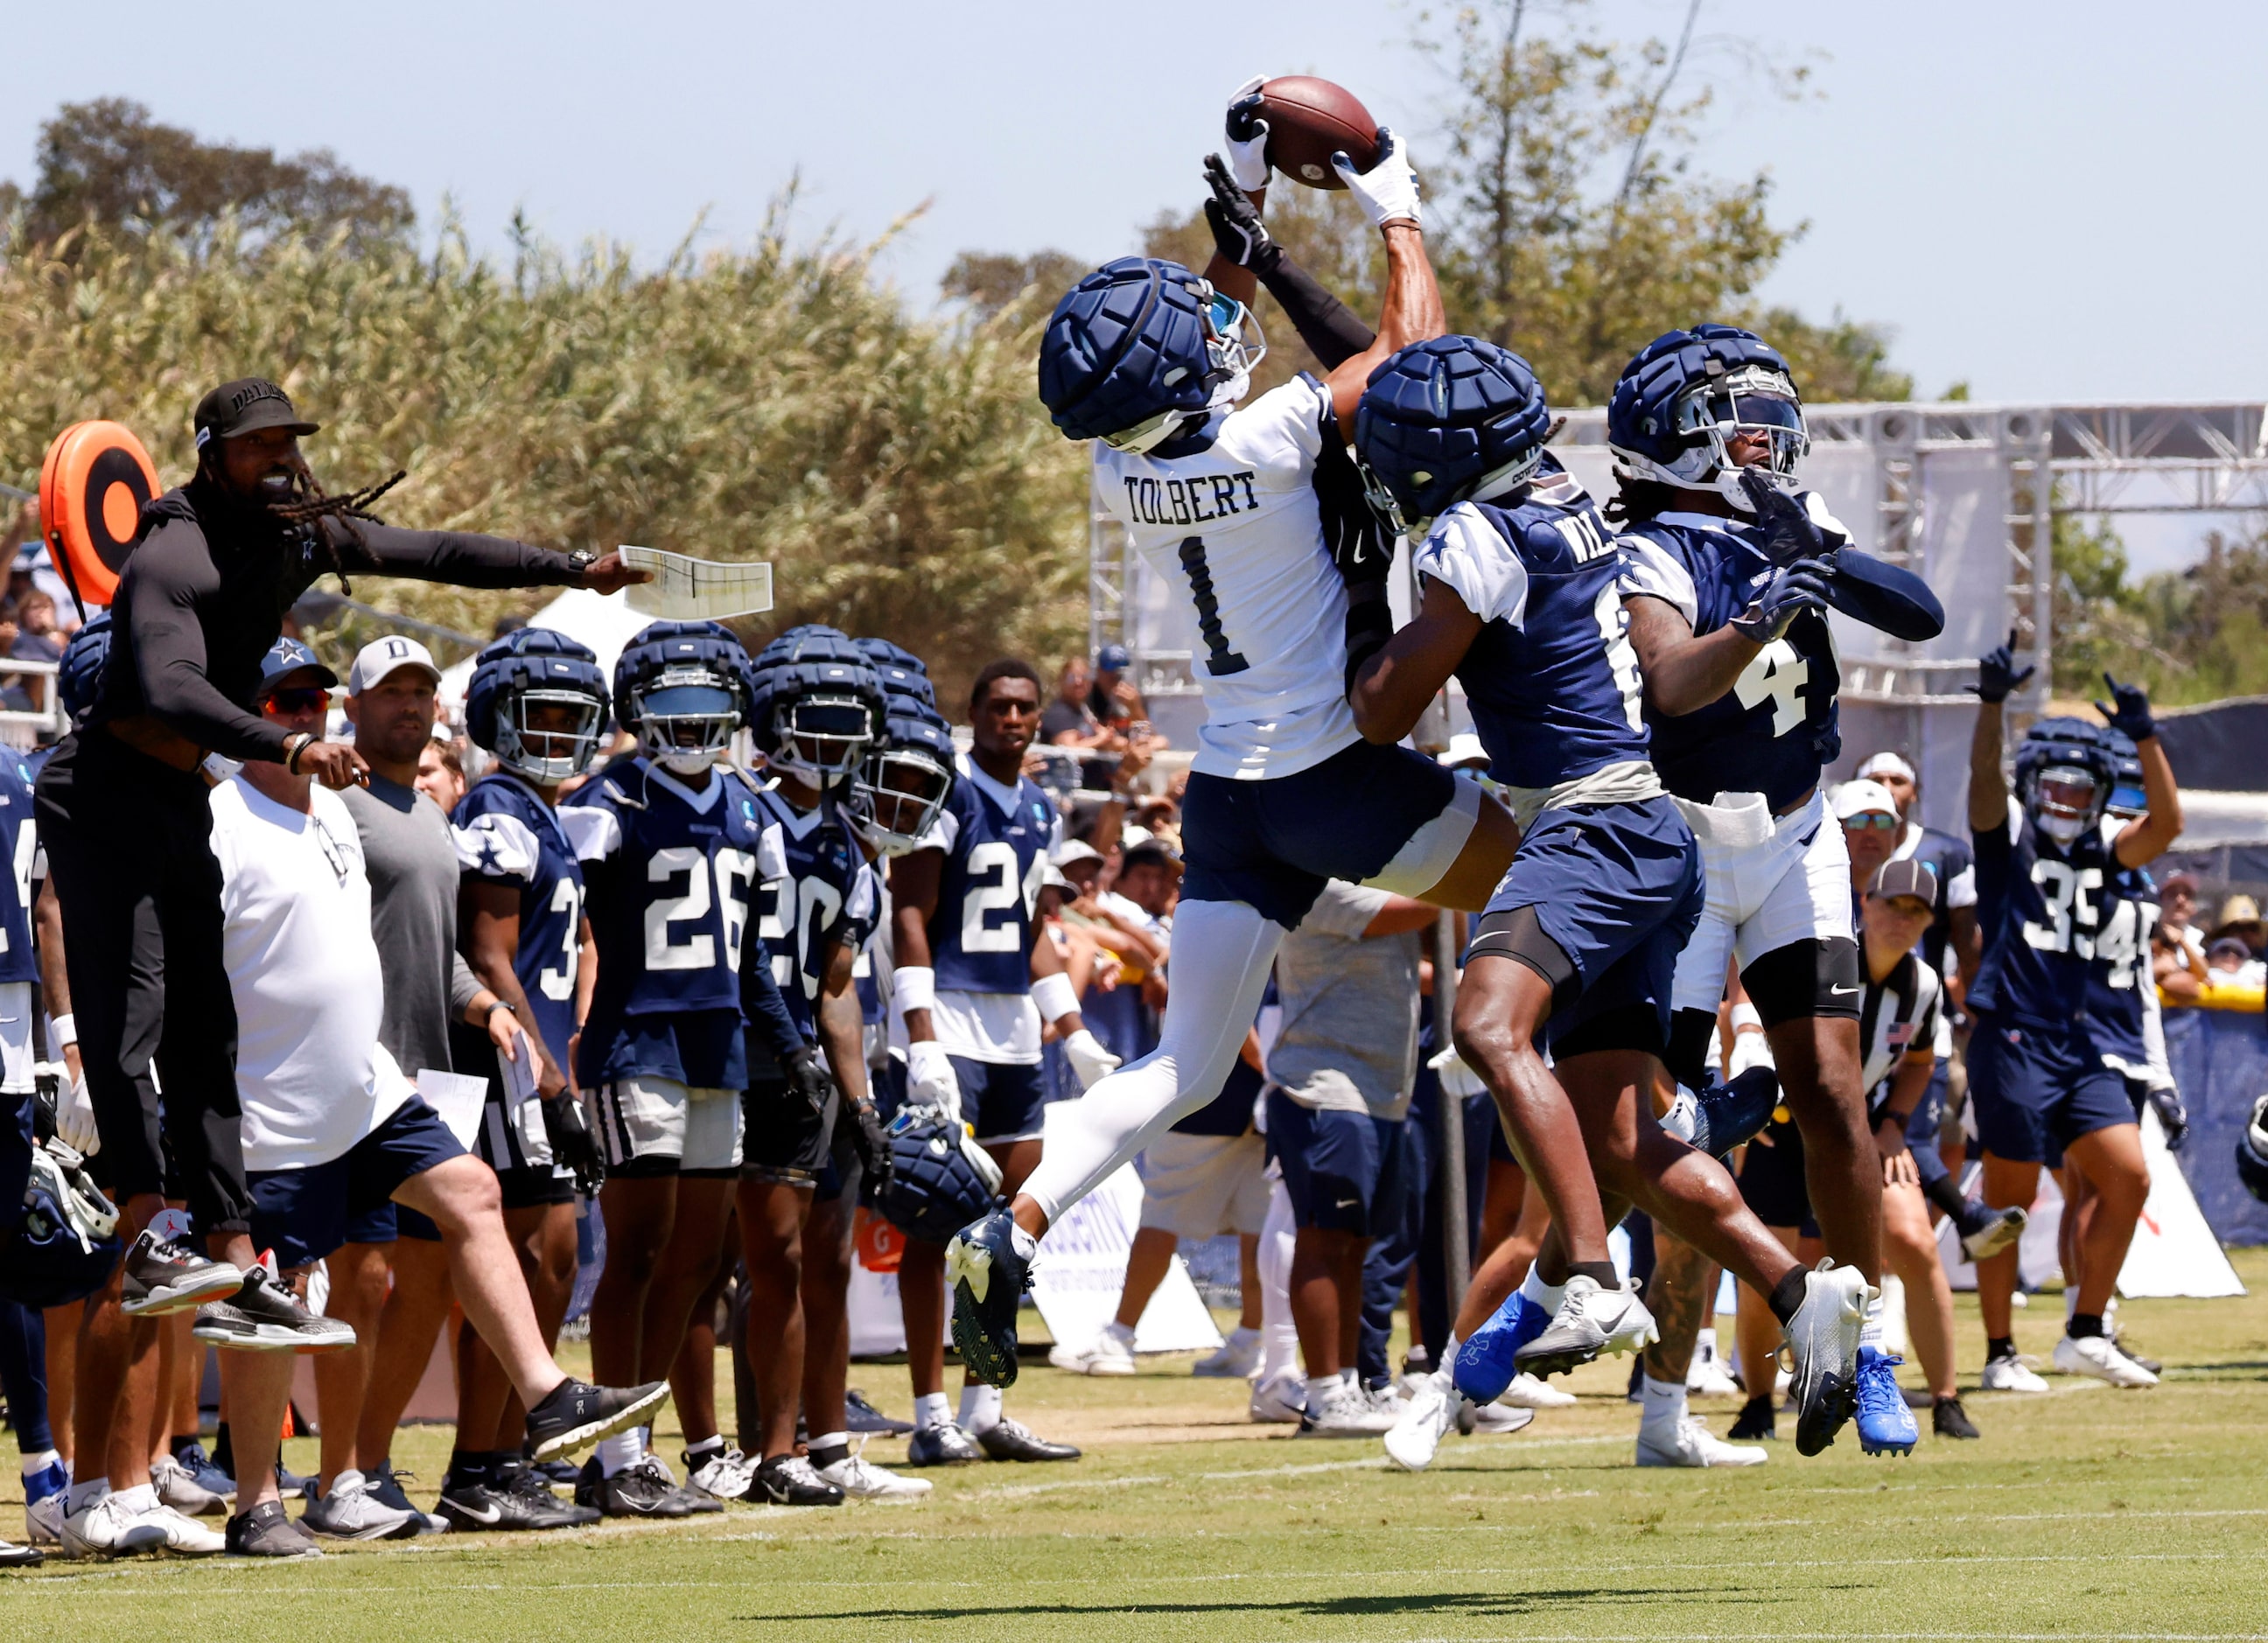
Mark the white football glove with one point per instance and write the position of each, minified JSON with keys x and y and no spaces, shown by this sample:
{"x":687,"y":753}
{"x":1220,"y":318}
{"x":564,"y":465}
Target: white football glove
{"x":1247,"y":155}
{"x":929,"y":1081}
{"x":1750,"y":1050}
{"x":986,"y":1166}
{"x":1458,"y":1080}
{"x":1088,"y":1058}
{"x":1388,"y":189}
{"x":75,"y":1117}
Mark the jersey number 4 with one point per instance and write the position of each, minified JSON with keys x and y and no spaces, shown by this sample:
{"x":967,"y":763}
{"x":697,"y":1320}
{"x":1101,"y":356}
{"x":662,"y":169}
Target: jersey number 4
{"x":1778,"y":675}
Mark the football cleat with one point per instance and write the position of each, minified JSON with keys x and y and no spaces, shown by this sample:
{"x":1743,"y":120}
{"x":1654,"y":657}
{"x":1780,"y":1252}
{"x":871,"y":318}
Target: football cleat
{"x":1494,"y":1420}
{"x":642,"y":1489}
{"x":1007,"y":1439}
{"x":1238,"y":1359}
{"x":1755,"y":1421}
{"x":1688,"y":1443}
{"x":1885,"y":1425}
{"x":860,"y":1479}
{"x":989,"y":1278}
{"x":789,"y":1480}
{"x":158,"y":1277}
{"x":721,"y":1474}
{"x":1347,"y":1412}
{"x":1591,"y":1322}
{"x":1527,"y":1392}
{"x":170,"y":1531}
{"x":384,"y":1487}
{"x":2010,"y":1373}
{"x":264,"y":1316}
{"x":1279,"y":1400}
{"x":576,"y":1414}
{"x":1485,"y":1365}
{"x":1986,"y":1231}
{"x":1823,"y":1335}
{"x":517,"y":1499}
{"x":2098,"y":1355}
{"x":1427,"y":1418}
{"x":351,"y":1511}
{"x":267,"y":1531}
{"x":1704,"y":1375}
{"x":862,"y":1416}
{"x":44,"y":1504}
{"x":1107,"y":1353}
{"x":944,"y":1444}
{"x":1719,"y":1118}
{"x":1948,"y":1419}
{"x":177,"y":1489}
{"x":15,"y":1556}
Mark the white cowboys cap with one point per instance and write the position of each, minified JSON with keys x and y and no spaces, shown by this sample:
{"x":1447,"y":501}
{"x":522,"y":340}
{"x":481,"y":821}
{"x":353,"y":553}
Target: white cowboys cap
{"x":1857,"y":797}
{"x":381,"y":659}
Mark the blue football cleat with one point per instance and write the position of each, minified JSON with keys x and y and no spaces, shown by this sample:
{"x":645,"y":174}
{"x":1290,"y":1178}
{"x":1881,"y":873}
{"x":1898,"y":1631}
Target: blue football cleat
{"x":1886,"y":1423}
{"x":1485,"y":1365}
{"x":989,"y":1278}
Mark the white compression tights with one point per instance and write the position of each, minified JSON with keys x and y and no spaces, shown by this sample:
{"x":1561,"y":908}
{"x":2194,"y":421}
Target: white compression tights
{"x":1222,"y":951}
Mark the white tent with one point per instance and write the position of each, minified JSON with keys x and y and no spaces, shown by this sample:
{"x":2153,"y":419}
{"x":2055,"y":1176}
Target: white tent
{"x":604,"y":622}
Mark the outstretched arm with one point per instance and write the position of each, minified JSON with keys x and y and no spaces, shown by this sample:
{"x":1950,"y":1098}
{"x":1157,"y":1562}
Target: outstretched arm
{"x":1395,"y":686}
{"x":1243,"y":249}
{"x":1412,"y":312}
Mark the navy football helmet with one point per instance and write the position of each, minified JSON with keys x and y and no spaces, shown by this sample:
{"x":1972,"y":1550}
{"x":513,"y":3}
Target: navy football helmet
{"x":2063,"y":775}
{"x":1688,"y":393}
{"x":815,"y":705}
{"x":1138,"y":348}
{"x":933,"y":1190}
{"x":883,"y":654}
{"x":1446,"y":420}
{"x":2128,"y":799}
{"x":539,"y":701}
{"x":2252,"y":1152}
{"x":68,"y":1242}
{"x":907,"y":776}
{"x":681,"y":688}
{"x":79,"y":676}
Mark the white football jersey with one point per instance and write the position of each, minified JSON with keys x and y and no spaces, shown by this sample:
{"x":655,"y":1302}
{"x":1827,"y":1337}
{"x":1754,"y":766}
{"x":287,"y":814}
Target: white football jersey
{"x":1238,"y":527}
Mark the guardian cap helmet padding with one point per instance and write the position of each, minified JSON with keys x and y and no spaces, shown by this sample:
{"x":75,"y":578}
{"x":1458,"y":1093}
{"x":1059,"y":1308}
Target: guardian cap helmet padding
{"x":1679,"y":404}
{"x":1138,"y":347}
{"x":681,"y":688}
{"x":815,"y":705}
{"x":2063,"y":773}
{"x":530,"y":672}
{"x":1445,"y":421}
{"x":906,"y":778}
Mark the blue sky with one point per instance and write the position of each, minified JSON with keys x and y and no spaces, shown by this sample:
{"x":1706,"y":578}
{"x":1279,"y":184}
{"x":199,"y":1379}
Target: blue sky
{"x":2047,"y":200}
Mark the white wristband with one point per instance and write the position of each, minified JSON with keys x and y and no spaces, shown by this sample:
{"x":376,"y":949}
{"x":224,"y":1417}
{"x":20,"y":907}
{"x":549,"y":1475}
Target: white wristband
{"x":1053,"y":995}
{"x":1745,"y":1015}
{"x":915,"y":986}
{"x":62,"y":1030}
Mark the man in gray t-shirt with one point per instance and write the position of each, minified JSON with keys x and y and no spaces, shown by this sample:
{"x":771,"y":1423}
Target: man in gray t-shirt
{"x":1339,"y":1077}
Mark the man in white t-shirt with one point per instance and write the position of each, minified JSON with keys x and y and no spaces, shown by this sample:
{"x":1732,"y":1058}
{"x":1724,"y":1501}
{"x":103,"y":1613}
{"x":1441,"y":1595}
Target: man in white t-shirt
{"x":331,"y":1127}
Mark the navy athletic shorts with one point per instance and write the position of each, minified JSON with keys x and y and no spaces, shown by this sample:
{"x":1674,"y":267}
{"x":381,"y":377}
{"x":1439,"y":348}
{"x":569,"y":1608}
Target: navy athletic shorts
{"x":303,"y":1214}
{"x":1619,"y":887}
{"x":1342,"y":1171}
{"x":2038,"y":1089}
{"x":1273,"y":845}
{"x":1772,"y":1183}
{"x":1000,"y":1099}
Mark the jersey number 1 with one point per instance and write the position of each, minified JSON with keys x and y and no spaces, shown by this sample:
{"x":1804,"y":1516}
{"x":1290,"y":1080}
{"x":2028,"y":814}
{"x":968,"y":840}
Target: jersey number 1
{"x":1220,"y":661}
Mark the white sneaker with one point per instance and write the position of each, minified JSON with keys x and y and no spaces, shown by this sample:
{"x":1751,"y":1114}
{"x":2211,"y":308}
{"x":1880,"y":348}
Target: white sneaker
{"x":107,"y":1528}
{"x":1425,"y":1419}
{"x":179,"y":1491}
{"x":1280,"y":1400}
{"x":1704,"y":1375}
{"x":1238,"y":1359}
{"x":1690,"y":1444}
{"x":1107,"y":1353}
{"x":349,"y":1512}
{"x":1498,"y":1420}
{"x":860,"y":1479}
{"x":2010,"y":1375}
{"x":1347,"y":1412}
{"x":2099,"y":1356}
{"x":724,"y":1473}
{"x":1387,"y":1399}
{"x":1822,"y":1337}
{"x":161,"y":1528}
{"x":1593,"y":1321}
{"x":1527,"y":1392}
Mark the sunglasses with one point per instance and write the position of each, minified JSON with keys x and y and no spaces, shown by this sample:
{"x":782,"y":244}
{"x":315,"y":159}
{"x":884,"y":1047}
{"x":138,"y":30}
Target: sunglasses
{"x":298,"y":699}
{"x":1870,"y":819}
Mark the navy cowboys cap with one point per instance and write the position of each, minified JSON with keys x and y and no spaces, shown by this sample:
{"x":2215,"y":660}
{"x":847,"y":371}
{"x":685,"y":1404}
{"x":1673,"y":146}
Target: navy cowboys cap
{"x":288,"y":656}
{"x":246,"y":406}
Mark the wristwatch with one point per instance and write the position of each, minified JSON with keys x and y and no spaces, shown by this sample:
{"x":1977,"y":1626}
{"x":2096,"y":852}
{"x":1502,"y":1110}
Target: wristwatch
{"x":501,"y":1004}
{"x":581,"y":560}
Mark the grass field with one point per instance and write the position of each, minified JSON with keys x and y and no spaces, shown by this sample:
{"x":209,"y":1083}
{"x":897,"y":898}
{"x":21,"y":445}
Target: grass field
{"x":2086,"y":1514}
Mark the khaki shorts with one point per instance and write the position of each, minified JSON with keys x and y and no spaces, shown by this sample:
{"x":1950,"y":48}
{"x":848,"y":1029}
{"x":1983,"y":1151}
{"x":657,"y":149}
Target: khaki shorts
{"x":1196,"y":1186}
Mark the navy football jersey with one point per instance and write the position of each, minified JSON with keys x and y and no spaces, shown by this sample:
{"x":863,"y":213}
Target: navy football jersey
{"x":672,"y":871}
{"x":21,"y":841}
{"x":1552,"y":678}
{"x":2114,"y":988}
{"x":2061,"y":948}
{"x":507,"y":835}
{"x":996,"y":843}
{"x":823,"y":893}
{"x":1776,"y":729}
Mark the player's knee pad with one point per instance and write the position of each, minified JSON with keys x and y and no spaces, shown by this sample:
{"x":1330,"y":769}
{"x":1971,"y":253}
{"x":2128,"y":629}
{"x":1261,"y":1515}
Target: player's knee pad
{"x":1518,"y":934}
{"x":1816,"y":976}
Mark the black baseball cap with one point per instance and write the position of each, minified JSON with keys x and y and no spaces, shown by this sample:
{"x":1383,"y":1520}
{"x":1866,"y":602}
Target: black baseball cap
{"x":1905,"y":877}
{"x":246,"y":406}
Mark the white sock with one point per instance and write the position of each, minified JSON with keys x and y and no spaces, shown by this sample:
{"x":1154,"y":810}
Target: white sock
{"x":830,"y":1440}
{"x":1279,"y":1337}
{"x":933,"y":1408}
{"x":1665,"y":1403}
{"x":34,"y":1465}
{"x":1448,"y":1352}
{"x":1870,"y":1331}
{"x":141,"y":1498}
{"x":699,"y":1452}
{"x":621,"y":1452}
{"x":80,"y":1496}
{"x":1123,"y":1333}
{"x":980,"y":1409}
{"x":1242,"y":1335}
{"x":1320,"y":1389}
{"x":1225,"y":949}
{"x":1547,"y":1296}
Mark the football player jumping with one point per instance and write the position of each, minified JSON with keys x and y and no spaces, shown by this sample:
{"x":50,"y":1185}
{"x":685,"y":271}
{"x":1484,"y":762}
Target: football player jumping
{"x":1258,"y":513}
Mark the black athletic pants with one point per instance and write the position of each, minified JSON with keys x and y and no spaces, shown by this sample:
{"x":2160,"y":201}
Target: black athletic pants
{"x":129,"y":848}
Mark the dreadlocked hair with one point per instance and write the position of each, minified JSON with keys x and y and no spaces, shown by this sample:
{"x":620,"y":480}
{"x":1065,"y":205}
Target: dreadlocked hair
{"x":315,"y":505}
{"x":1639,"y":499}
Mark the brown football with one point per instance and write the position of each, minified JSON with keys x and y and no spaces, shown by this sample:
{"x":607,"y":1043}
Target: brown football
{"x":1309,"y":121}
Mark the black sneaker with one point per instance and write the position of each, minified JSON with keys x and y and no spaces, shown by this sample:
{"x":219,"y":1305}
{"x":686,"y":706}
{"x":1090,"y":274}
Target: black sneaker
{"x":944,"y":1444}
{"x":862,"y":1416}
{"x":540,"y":1508}
{"x":555,"y":1471}
{"x":788,"y":1480}
{"x":577,"y":1414}
{"x":384,"y":1485}
{"x":1755,"y":1421}
{"x":15,"y":1556}
{"x":988,"y":1277}
{"x":263,"y":1316}
{"x":508,"y":1504}
{"x":267,"y":1531}
{"x":158,"y":1277}
{"x":639,"y":1490}
{"x":1012,"y":1441}
{"x":1948,"y":1419}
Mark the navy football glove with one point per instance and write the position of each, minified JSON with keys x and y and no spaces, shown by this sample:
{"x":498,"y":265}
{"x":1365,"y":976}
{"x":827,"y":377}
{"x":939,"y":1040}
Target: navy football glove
{"x":1996,"y":672}
{"x":1793,"y":590}
{"x":871,"y":1142}
{"x":808,"y":1076}
{"x":2173,"y":1117}
{"x":1789,"y":532}
{"x":573,"y":1147}
{"x":1237,"y":233}
{"x":2128,"y":710}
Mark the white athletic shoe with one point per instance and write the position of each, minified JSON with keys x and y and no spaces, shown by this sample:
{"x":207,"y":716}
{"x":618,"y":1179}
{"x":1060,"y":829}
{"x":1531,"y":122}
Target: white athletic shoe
{"x":2099,"y":1356}
{"x":1387,"y":1399}
{"x":1690,"y":1444}
{"x":107,"y":1528}
{"x":1498,"y":1420}
{"x":1238,"y":1359}
{"x":1279,"y":1400}
{"x":1107,"y":1353}
{"x":162,"y":1528}
{"x":1704,"y":1376}
{"x":1347,"y":1412}
{"x":724,"y":1473}
{"x":1822,"y":1337}
{"x":860,"y":1479}
{"x":2010,"y":1375}
{"x":1527,"y":1392}
{"x":1425,"y":1419}
{"x":349,"y":1512}
{"x":1593,"y":1321}
{"x":43,"y":1521}
{"x":179,"y":1491}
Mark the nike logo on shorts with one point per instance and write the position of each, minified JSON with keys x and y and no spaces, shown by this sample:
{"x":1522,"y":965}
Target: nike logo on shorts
{"x":1838,"y":992}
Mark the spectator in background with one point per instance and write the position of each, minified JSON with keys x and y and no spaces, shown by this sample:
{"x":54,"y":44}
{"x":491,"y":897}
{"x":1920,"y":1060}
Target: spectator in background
{"x":1069,"y":721}
{"x":2231,"y":963}
{"x":2176,"y":949}
{"x":37,"y":639}
{"x":1952,"y":925}
{"x":2240,"y":919}
{"x":1112,"y":698}
{"x":1870,"y":823}
{"x":441,"y":773}
{"x":1083,"y":716}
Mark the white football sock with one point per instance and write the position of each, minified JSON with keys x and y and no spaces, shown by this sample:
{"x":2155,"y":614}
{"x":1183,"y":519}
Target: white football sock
{"x":81,"y":1495}
{"x":933,"y":1408}
{"x":1870,"y":1331}
{"x":1279,"y":1337}
{"x":1449,"y":1352}
{"x":1123,"y":1333}
{"x":980,"y":1409}
{"x":1320,"y":1389}
{"x":1547,"y":1296}
{"x":1222,"y":950}
{"x":1665,"y":1405}
{"x":621,"y":1452}
{"x":34,"y":1465}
